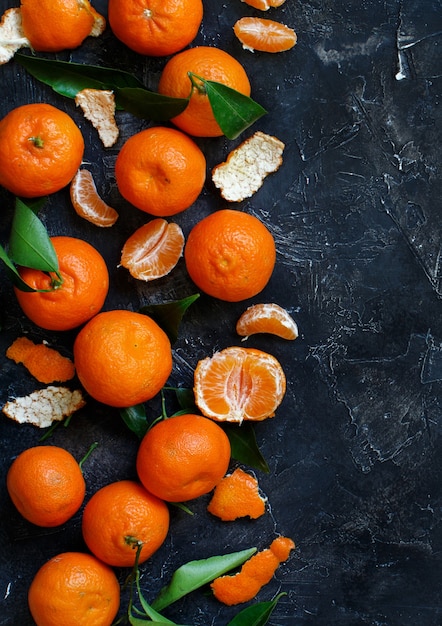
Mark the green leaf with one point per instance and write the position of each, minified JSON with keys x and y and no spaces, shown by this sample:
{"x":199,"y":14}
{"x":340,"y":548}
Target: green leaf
{"x":135,"y":419}
{"x":13,"y":272}
{"x":244,"y":446}
{"x":195,"y":574}
{"x":169,"y":314}
{"x":186,"y":399}
{"x":256,"y":614}
{"x":156,"y":617}
{"x":68,"y":79}
{"x":29,"y":243}
{"x":148,"y":104}
{"x":233,"y":111}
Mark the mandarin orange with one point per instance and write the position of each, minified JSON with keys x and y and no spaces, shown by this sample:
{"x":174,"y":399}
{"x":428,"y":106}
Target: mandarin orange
{"x":122,"y":358}
{"x":55,"y":25}
{"x":133,"y":516}
{"x":211,"y":64}
{"x":183,"y":457}
{"x":155,"y":27}
{"x":74,"y":589}
{"x":160,"y":171}
{"x":84,"y":287}
{"x":46,"y":485}
{"x":230,"y":255}
{"x":42,"y":149}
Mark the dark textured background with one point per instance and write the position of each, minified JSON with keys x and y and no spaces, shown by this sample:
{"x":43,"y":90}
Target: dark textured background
{"x":355,"y":449}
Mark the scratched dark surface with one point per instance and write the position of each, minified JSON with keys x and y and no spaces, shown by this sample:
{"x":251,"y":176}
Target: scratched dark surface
{"x":355,"y":449}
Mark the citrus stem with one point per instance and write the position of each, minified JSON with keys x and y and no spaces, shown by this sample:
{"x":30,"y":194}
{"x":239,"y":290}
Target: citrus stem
{"x":88,"y":453}
{"x":37,"y":141}
{"x":198,"y":83}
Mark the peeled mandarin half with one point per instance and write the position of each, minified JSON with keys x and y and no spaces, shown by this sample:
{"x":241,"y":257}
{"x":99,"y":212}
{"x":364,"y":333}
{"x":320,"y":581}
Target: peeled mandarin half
{"x":238,"y":384}
{"x":267,"y":318}
{"x":257,"y":33}
{"x":153,"y":250}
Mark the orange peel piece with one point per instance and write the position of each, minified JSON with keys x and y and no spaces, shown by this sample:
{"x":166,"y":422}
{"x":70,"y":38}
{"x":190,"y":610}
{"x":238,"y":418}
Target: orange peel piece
{"x":98,"y":107}
{"x":12,"y":36}
{"x":44,"y":406}
{"x":254,"y":574}
{"x":237,"y":495}
{"x":46,"y":364}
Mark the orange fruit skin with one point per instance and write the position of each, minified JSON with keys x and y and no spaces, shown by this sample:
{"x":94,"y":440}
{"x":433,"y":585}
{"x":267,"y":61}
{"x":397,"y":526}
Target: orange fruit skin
{"x":130,"y":512}
{"x":74,"y":589}
{"x":46,"y":485}
{"x":160,"y":171}
{"x":42,"y":148}
{"x":230,"y":255}
{"x":183,"y":457}
{"x":122,"y":358}
{"x":80,"y":297}
{"x":54,"y":25}
{"x":155,"y":27}
{"x":237,"y":495}
{"x":209,"y":63}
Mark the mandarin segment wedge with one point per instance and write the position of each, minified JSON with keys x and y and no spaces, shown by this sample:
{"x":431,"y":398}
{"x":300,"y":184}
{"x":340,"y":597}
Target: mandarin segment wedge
{"x":238,"y":384}
{"x":257,"y":33}
{"x":263,"y":5}
{"x":267,"y":318}
{"x":153,"y":250}
{"x":87,"y":202}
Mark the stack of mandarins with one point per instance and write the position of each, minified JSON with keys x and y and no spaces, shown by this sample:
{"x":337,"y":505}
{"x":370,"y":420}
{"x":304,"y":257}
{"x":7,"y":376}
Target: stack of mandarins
{"x":123,"y":358}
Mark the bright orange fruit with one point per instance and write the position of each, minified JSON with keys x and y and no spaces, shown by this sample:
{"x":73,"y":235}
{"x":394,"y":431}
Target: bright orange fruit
{"x":153,"y":250}
{"x":87,"y":202}
{"x":155,"y":27}
{"x":209,"y":63}
{"x":267,"y":318}
{"x":239,"y":384}
{"x":160,"y":170}
{"x":257,"y":33}
{"x":74,"y":589}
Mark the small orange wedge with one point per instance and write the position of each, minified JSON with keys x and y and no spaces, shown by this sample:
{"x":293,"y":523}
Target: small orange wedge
{"x":153,"y":250}
{"x":87,"y":202}
{"x":257,"y":33}
{"x":239,"y":384}
{"x":263,"y":5}
{"x":237,"y":495}
{"x":267,"y":318}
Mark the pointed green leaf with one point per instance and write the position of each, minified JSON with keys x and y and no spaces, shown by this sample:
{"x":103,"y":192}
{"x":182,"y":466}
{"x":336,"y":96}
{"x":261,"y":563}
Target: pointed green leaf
{"x":186,"y":399}
{"x":156,"y":617}
{"x":135,"y":419}
{"x":68,"y":78}
{"x":195,"y":574}
{"x":148,"y":104}
{"x":169,"y":314}
{"x":256,"y":614}
{"x":233,"y":111}
{"x":13,"y":272}
{"x":244,"y":446}
{"x":29,"y":243}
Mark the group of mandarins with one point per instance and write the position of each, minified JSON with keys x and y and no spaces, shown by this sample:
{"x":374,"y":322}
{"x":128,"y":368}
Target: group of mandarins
{"x":123,"y":358}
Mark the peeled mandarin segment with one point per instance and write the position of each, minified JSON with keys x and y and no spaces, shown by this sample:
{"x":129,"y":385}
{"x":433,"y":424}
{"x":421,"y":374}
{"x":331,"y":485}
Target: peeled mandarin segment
{"x":237,"y":495}
{"x":87,"y":202}
{"x":153,"y":250}
{"x":267,"y":318}
{"x":239,"y":384}
{"x":254,"y":574}
{"x":257,"y":33}
{"x":263,"y":5}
